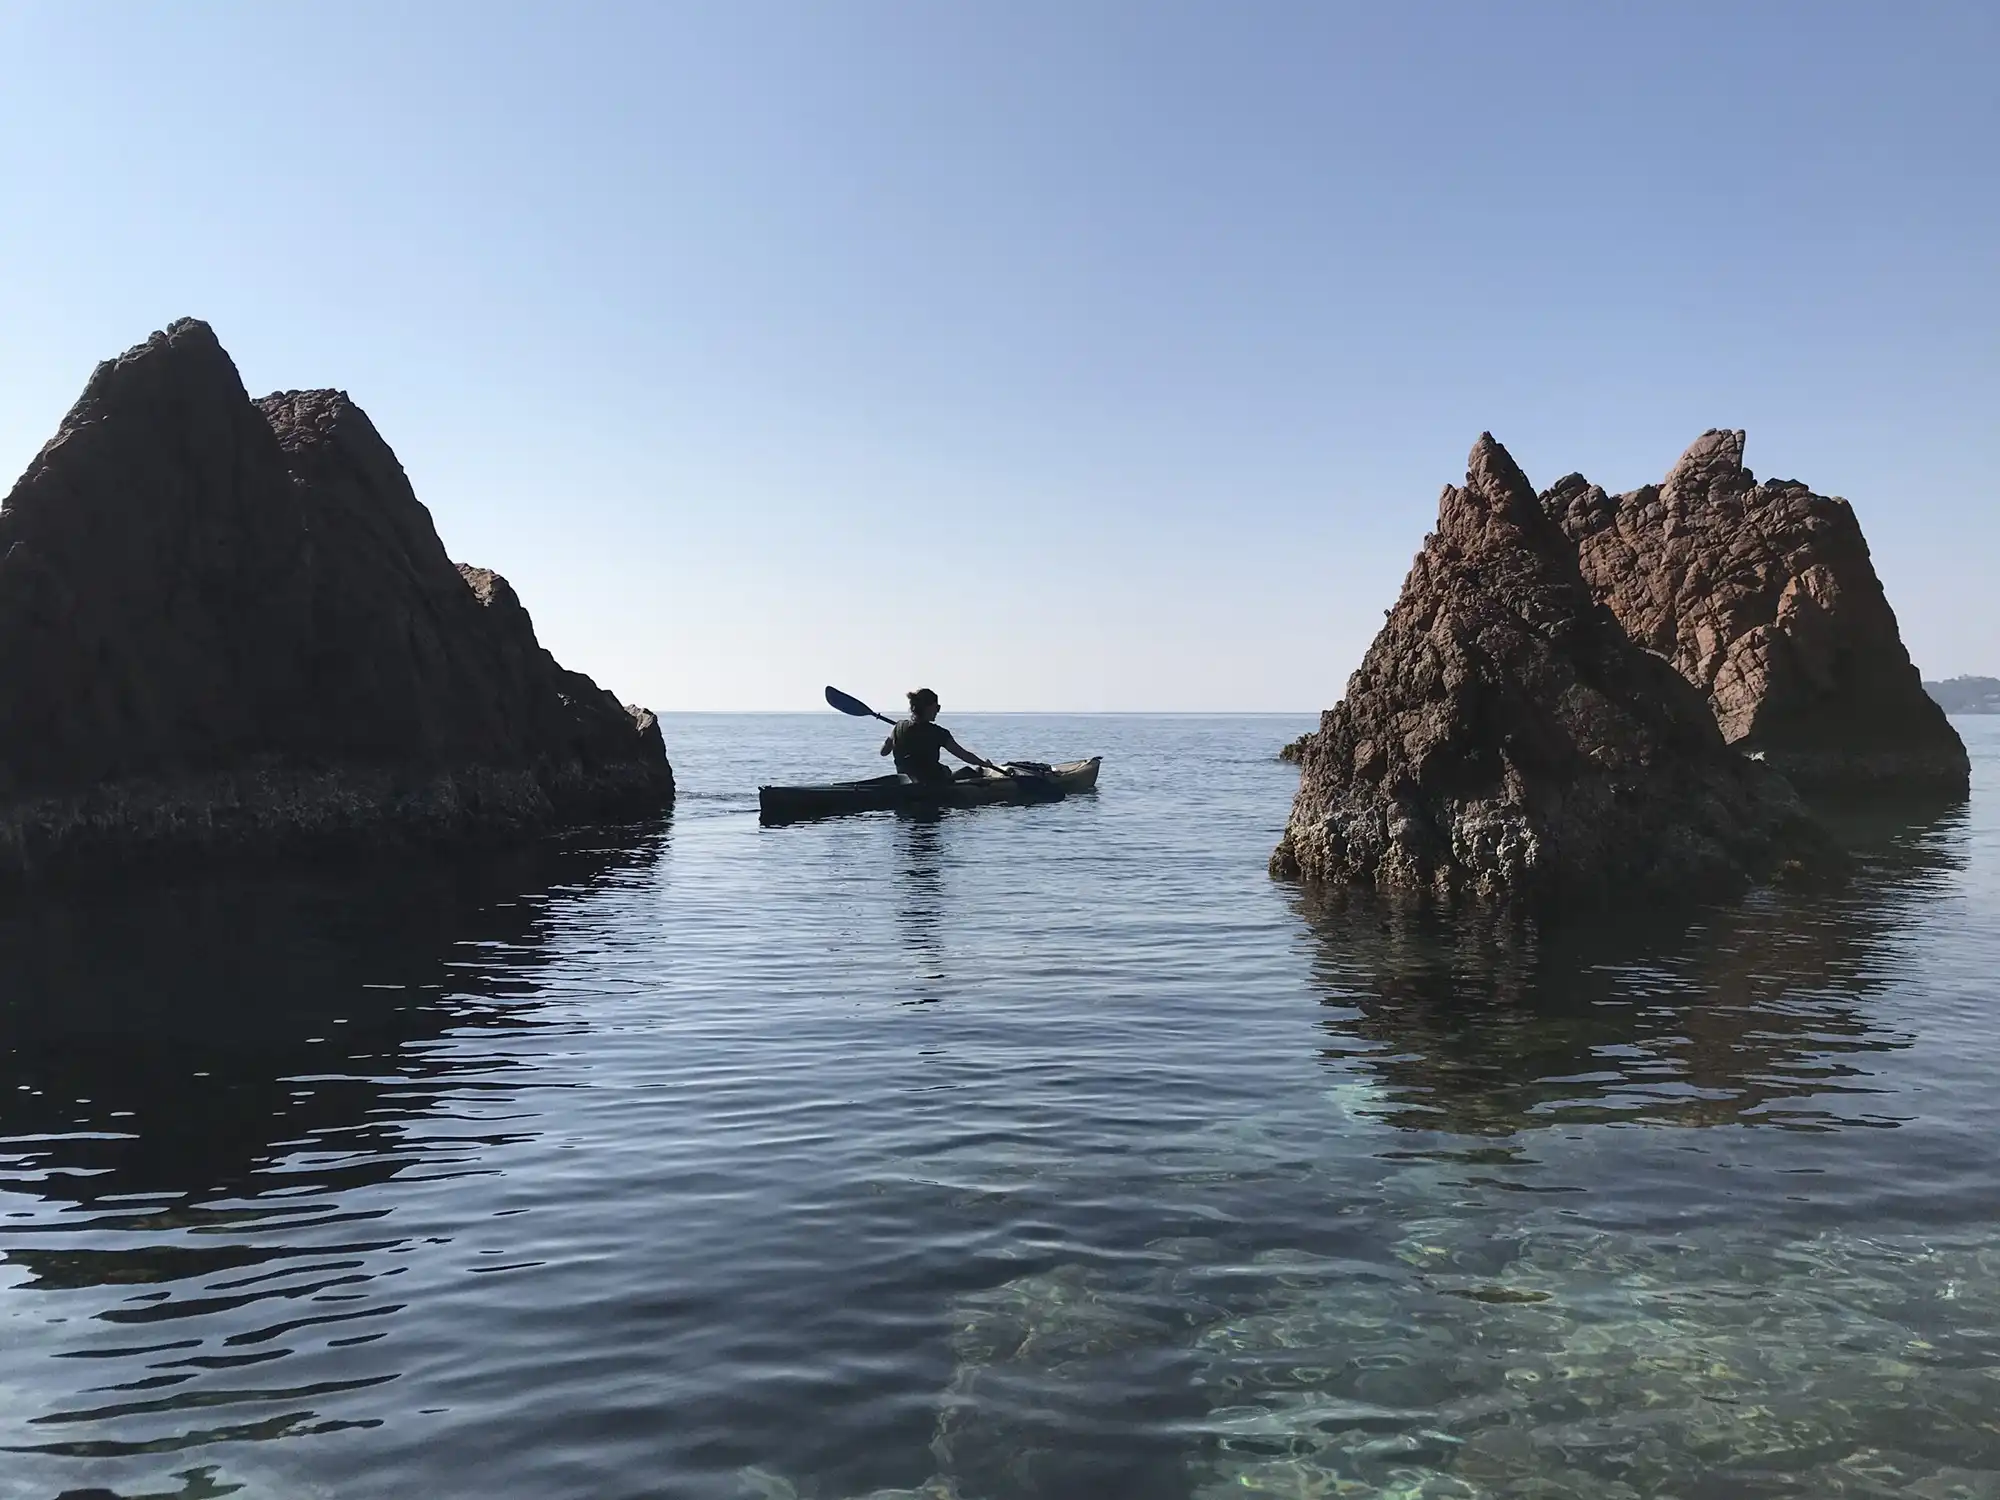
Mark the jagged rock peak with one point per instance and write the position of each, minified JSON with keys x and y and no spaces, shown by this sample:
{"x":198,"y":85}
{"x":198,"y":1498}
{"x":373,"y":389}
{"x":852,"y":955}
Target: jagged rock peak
{"x":1495,"y":492}
{"x":180,"y":381}
{"x":1492,"y":475}
{"x":188,"y":339}
{"x":299,"y":418}
{"x":1713,"y":460}
{"x":327,"y":438}
{"x":183,"y":363}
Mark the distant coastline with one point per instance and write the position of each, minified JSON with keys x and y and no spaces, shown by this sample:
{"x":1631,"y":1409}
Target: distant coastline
{"x":1966,"y":695}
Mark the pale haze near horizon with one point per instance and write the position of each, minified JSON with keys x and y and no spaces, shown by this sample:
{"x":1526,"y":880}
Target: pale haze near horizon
{"x":1059,"y":356}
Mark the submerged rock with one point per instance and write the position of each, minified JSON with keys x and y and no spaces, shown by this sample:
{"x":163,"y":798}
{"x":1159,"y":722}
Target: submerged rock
{"x":1764,"y":597}
{"x":230,"y":626}
{"x":1504,"y":736}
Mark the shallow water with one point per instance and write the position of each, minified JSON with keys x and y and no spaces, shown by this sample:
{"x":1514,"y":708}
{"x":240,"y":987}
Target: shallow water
{"x":1043,"y":1151}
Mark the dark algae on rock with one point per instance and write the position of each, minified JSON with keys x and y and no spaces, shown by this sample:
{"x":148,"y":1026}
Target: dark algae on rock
{"x":229,"y":626}
{"x":1765,"y":598}
{"x":1504,"y":737}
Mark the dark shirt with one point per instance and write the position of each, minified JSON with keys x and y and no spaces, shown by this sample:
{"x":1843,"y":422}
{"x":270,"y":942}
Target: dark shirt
{"x":915,"y":745}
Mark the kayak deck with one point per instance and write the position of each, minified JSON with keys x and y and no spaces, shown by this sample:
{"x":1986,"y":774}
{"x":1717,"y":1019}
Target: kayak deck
{"x":790,"y":804}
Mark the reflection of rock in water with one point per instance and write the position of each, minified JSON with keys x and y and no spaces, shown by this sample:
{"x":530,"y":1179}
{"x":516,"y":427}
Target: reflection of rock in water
{"x":177,"y":1020}
{"x":1491,"y":1023}
{"x":201,"y":1086}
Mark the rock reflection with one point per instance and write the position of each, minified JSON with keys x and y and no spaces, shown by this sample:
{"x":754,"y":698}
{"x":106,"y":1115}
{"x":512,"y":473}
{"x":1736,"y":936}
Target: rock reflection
{"x":1489,"y":1022}
{"x":166,"y":1039}
{"x":201,"y":1086}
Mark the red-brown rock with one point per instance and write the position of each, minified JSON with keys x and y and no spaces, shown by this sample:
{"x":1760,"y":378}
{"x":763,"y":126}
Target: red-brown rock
{"x":1764,"y":597}
{"x":1505,"y":737}
{"x":228,"y":626}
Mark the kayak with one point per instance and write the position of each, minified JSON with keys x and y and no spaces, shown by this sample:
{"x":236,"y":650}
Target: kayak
{"x":1028,"y":783}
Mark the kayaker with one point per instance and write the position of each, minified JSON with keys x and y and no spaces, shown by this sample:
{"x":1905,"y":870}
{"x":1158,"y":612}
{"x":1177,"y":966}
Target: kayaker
{"x":916,"y":741}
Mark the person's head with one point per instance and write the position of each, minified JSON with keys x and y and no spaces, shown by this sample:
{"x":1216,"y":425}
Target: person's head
{"x":923,"y":705}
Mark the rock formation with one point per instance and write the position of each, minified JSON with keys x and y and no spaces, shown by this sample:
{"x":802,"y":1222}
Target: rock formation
{"x":228,"y":625}
{"x":1764,"y":597}
{"x":1503,"y":736}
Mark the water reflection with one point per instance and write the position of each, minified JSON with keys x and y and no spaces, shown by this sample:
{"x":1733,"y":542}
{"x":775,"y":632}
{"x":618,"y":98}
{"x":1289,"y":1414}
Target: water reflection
{"x":1491,"y":1022}
{"x":200,"y":1085}
{"x":165,"y":1039}
{"x":920,"y":895}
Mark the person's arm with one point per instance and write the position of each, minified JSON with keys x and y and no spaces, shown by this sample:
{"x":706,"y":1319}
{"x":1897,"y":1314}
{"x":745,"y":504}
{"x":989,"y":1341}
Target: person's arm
{"x":889,"y":743}
{"x":966,"y":755}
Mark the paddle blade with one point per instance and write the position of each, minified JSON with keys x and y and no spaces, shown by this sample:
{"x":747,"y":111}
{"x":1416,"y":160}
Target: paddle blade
{"x":835,"y":698}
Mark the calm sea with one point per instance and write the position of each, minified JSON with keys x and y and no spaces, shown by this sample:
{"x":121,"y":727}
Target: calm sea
{"x":1046,"y":1151}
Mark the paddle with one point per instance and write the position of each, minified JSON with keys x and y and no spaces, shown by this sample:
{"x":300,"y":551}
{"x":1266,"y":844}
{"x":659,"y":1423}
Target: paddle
{"x":848,"y":704}
{"x":835,"y":698}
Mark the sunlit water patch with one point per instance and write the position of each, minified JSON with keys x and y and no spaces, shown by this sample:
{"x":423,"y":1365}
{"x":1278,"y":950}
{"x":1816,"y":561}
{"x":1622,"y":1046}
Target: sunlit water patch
{"x":1045,"y":1151}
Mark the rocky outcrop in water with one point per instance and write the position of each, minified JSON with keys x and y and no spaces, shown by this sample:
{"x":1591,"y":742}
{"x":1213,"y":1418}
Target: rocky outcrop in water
{"x":1503,"y":736}
{"x":230,"y":626}
{"x":1764,"y":597}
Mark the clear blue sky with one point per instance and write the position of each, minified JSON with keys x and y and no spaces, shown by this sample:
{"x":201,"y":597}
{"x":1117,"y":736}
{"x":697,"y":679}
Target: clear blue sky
{"x":1073,"y":355}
